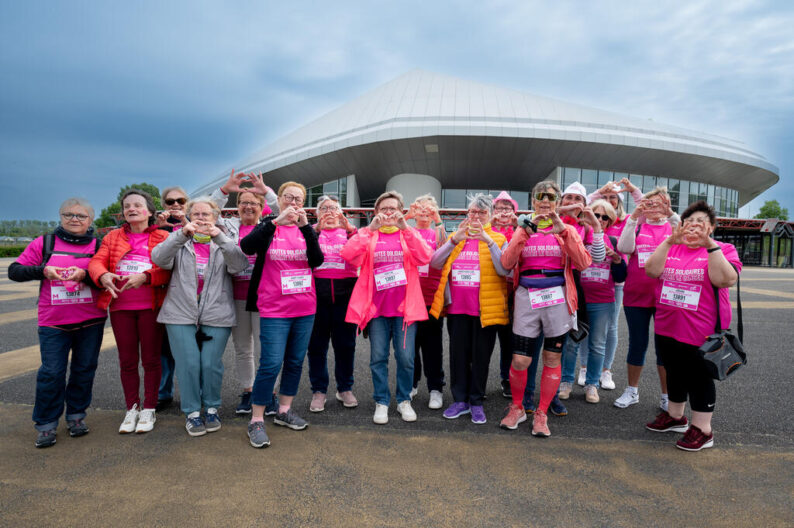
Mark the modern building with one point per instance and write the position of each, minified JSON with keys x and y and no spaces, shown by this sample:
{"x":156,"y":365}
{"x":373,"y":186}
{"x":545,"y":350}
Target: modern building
{"x":426,"y":132}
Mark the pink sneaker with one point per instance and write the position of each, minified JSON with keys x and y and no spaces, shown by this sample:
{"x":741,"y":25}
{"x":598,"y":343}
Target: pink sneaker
{"x":513,"y":416}
{"x":347,"y":399}
{"x":318,"y":402}
{"x":540,"y":425}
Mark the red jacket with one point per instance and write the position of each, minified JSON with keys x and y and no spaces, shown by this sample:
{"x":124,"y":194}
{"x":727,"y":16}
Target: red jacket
{"x":114,"y":246}
{"x":360,"y":250}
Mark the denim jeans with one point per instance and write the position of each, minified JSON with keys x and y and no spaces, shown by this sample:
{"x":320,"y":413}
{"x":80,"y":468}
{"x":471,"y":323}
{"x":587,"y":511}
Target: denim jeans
{"x":570,"y":353}
{"x":591,"y":351}
{"x":283,"y":341}
{"x":639,"y":322}
{"x":612,"y":329}
{"x":51,"y":387}
{"x":166,"y":390}
{"x":382,"y":331}
{"x":199,"y":372}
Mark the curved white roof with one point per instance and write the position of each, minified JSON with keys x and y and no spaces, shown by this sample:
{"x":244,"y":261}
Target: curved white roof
{"x":490,"y":132}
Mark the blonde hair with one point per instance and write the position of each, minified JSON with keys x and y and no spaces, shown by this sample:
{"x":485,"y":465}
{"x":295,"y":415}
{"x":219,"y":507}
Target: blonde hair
{"x":169,"y":190}
{"x":608,"y":209}
{"x":258,"y":197}
{"x":389,"y":194}
{"x":658,"y":191}
{"x":203,"y":199}
{"x":427,"y":198}
{"x":291,"y":184}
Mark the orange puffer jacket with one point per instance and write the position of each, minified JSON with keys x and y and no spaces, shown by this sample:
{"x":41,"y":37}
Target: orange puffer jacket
{"x":114,"y":246}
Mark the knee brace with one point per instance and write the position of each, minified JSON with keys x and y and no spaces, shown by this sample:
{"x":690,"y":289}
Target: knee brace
{"x":554,"y":344}
{"x":524,"y":346}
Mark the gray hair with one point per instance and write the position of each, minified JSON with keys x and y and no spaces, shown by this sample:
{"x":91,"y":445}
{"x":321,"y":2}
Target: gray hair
{"x":427,"y":198}
{"x":544,"y":185}
{"x":82,"y":202}
{"x":481,"y":201}
{"x":325,"y":198}
{"x":172,"y":189}
{"x":203,"y":199}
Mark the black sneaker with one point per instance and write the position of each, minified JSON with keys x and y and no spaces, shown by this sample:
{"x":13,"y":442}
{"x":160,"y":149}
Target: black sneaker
{"x":46,"y":438}
{"x":557,"y":408}
{"x":77,"y":427}
{"x":244,"y":407}
{"x":506,"y":389}
{"x":290,"y":419}
{"x":271,"y":409}
{"x":163,"y":403}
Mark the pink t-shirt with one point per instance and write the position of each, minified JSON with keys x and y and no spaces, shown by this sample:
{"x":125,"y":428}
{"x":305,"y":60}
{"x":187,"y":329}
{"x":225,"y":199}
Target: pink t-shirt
{"x":685,"y":304}
{"x":541,"y":251}
{"x":586,"y":234}
{"x":202,"y":259}
{"x":507,"y":231}
{"x":464,"y":281}
{"x":136,"y":260}
{"x":334,"y":266}
{"x":390,"y":277}
{"x":639,"y":289}
{"x":242,"y":280}
{"x":429,"y":277}
{"x":617,"y":228}
{"x":286,"y":288}
{"x":597,"y":282}
{"x":62,"y":302}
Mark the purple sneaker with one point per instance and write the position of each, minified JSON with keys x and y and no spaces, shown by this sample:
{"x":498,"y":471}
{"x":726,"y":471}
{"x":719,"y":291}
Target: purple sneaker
{"x":456,"y":409}
{"x":477,"y":414}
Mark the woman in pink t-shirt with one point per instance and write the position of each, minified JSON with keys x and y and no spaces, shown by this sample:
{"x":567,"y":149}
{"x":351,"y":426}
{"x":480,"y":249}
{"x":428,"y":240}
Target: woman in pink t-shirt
{"x":134,"y":291}
{"x":282,"y":291}
{"x":428,"y":346}
{"x":334,"y":281}
{"x":691,"y":268}
{"x":388,"y":298}
{"x":68,"y":319}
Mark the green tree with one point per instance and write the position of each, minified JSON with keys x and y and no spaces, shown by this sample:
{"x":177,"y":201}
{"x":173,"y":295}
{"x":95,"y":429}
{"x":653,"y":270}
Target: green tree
{"x":107,"y":219}
{"x":772,"y":209}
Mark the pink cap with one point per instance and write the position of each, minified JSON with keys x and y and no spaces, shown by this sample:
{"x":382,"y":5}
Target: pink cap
{"x":504,"y":196}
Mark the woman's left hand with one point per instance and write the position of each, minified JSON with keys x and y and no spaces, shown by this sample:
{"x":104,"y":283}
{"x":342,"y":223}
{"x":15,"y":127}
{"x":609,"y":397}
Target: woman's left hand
{"x":399,"y":220}
{"x":134,"y":281}
{"x":614,"y":255}
{"x":303,"y":219}
{"x":75,"y":274}
{"x":557,"y":225}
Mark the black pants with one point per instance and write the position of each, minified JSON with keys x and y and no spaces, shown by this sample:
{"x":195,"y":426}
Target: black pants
{"x":330,"y":325}
{"x":470,"y":349}
{"x":429,"y":352}
{"x":687,"y":375}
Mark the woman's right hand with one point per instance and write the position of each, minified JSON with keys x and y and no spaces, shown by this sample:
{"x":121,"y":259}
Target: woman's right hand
{"x":377,"y":222}
{"x":108,"y":281}
{"x":189,"y":229}
{"x":286,"y":217}
{"x":461,"y":234}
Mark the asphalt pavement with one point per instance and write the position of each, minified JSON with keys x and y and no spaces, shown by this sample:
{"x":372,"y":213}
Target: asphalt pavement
{"x":600,"y":467}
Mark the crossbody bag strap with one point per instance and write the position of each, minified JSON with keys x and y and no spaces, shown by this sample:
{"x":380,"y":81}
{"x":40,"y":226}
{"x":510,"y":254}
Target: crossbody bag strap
{"x":740,"y":325}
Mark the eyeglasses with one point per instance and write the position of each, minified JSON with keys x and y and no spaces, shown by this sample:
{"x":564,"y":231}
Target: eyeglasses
{"x":250,"y":204}
{"x":387,"y":210}
{"x":72,"y":216}
{"x":696,"y":220}
{"x":541,"y":195}
{"x":477,"y":212}
{"x":503,"y":209}
{"x":289,"y":198}
{"x":172,"y":201}
{"x":201,"y":215}
{"x":603,"y":217}
{"x":328,"y":208}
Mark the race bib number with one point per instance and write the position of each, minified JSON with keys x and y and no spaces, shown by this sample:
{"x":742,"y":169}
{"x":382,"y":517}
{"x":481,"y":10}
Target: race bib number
{"x":62,"y":292}
{"x":642,"y":257}
{"x":296,"y":281}
{"x":201,"y":265}
{"x":680,"y":294}
{"x":245,"y":275}
{"x":466,"y":275}
{"x":332,"y":262}
{"x":424,"y":271}
{"x":390,"y":277}
{"x":598,"y":273}
{"x":543,"y":297}
{"x":132,"y":265}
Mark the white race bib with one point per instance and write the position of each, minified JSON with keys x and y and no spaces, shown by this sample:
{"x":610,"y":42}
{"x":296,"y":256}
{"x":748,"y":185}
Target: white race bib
{"x":424,"y":271}
{"x":390,"y":277}
{"x":543,"y":297}
{"x":680,"y":294}
{"x":642,"y":257}
{"x":466,"y":275}
{"x":132,"y":265}
{"x":245,"y":275}
{"x":296,"y":281}
{"x":597,"y":272}
{"x":332,"y":262}
{"x":201,"y":265}
{"x":61,"y":294}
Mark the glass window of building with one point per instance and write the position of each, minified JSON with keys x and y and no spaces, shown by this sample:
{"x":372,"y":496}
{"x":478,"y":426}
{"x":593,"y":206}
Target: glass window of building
{"x":453,"y":198}
{"x":589,"y":178}
{"x":673,"y":185}
{"x":662,"y":182}
{"x":604,"y":177}
{"x":522,"y":197}
{"x":570,"y":175}
{"x":648,"y":183}
{"x":710,"y":194}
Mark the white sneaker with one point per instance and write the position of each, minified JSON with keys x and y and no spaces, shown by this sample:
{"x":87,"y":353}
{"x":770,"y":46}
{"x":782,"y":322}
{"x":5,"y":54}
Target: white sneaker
{"x":606,"y":380}
{"x":591,"y":394}
{"x":414,"y":392}
{"x":436,"y":399}
{"x":130,"y":420}
{"x":582,"y":376}
{"x":663,"y":402}
{"x":381,"y":414}
{"x":146,"y":421}
{"x":565,"y":390}
{"x":407,"y":412}
{"x":630,"y":396}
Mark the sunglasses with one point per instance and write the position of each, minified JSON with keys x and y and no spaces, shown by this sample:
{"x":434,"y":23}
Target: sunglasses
{"x":602,"y":217}
{"x":541,"y":195}
{"x":172,"y":201}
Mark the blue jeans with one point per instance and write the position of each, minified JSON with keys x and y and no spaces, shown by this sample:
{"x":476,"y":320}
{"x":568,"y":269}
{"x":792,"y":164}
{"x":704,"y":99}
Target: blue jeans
{"x":570,"y":352}
{"x":284,"y":341}
{"x":383,"y":330}
{"x":51,"y":387}
{"x":166,"y":390}
{"x":199,"y":372}
{"x":612,"y":329}
{"x":591,"y":351}
{"x":639,"y":322}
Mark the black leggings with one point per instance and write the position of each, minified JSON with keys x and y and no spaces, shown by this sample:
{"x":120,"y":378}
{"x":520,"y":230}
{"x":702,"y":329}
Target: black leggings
{"x":687,"y":375}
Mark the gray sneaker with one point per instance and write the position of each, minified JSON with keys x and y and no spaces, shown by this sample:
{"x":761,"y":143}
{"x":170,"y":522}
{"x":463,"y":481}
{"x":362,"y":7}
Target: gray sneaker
{"x":77,"y":427}
{"x":46,"y":438}
{"x":212,"y":421}
{"x":257,"y":435}
{"x":290,"y":419}
{"x":195,"y":425}
{"x":271,"y":408}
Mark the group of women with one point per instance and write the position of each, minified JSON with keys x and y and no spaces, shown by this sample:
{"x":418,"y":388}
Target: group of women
{"x":551,"y":281}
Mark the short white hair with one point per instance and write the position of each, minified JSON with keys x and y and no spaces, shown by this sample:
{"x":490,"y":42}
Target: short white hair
{"x":82,"y":202}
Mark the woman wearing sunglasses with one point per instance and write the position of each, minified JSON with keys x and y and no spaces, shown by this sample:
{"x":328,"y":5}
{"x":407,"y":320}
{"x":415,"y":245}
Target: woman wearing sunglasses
{"x":544,"y":252}
{"x":334,"y":280}
{"x":473,"y":295}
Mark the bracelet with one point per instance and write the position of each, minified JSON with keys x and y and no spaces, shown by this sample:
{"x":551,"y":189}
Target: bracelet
{"x":712,"y":250}
{"x":439,"y":224}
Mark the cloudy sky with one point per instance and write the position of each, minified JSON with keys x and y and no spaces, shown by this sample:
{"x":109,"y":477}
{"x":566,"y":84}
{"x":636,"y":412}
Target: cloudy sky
{"x":99,"y":94}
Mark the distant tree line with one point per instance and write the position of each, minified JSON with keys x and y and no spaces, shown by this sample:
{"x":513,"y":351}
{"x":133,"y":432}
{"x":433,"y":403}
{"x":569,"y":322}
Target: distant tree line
{"x":26,"y":228}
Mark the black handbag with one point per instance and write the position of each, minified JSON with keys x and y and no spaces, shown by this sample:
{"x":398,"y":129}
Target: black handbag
{"x":723,"y":352}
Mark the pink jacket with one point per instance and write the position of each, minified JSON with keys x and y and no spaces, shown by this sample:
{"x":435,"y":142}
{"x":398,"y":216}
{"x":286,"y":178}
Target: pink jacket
{"x":359,"y":252}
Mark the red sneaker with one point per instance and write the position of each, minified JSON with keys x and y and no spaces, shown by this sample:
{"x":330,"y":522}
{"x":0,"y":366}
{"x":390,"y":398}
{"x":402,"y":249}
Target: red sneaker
{"x":664,"y":423}
{"x":514,"y":415}
{"x":540,"y":424}
{"x":695,"y":440}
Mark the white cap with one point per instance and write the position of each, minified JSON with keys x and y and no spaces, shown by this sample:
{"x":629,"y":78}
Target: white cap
{"x":576,"y":188}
